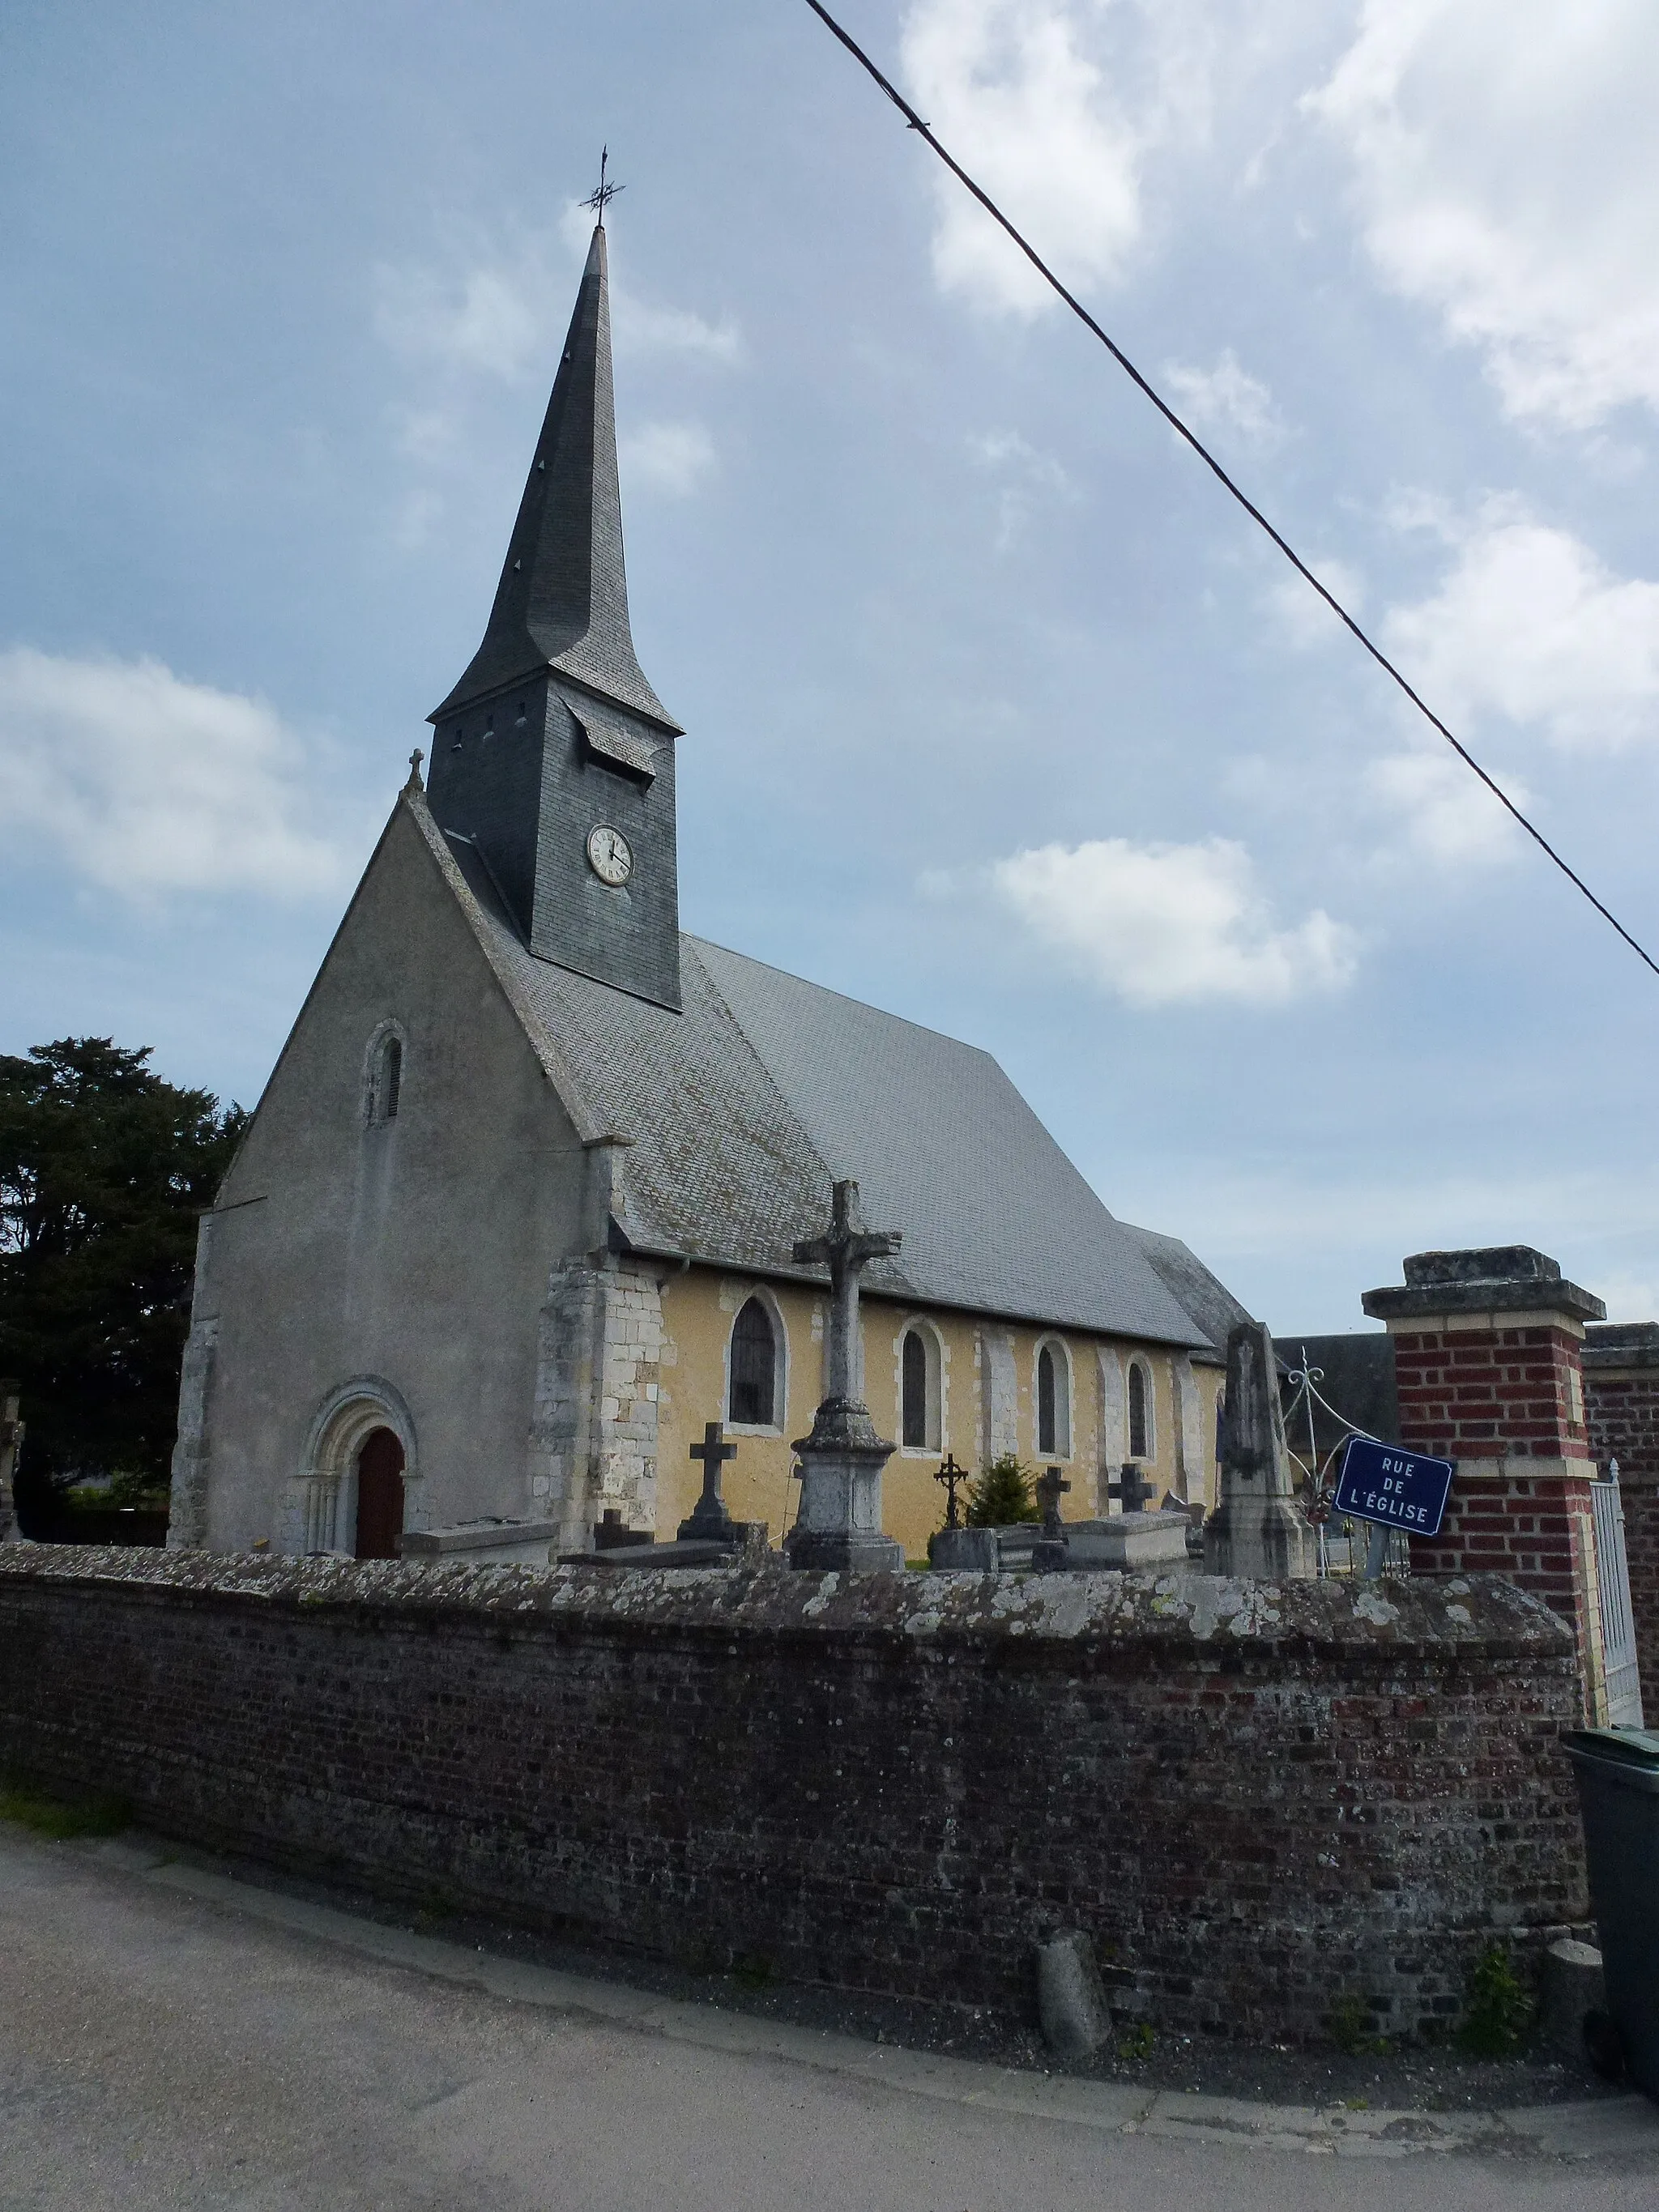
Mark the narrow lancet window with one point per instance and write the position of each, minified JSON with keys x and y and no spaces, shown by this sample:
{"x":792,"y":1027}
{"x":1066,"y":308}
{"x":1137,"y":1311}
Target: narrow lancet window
{"x":386,"y":1080}
{"x":921,"y":1392}
{"x":1140,"y":1427}
{"x":751,"y":1399}
{"x":1054,"y":1383}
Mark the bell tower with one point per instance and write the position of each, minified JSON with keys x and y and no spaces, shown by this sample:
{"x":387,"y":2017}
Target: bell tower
{"x":553,"y":755}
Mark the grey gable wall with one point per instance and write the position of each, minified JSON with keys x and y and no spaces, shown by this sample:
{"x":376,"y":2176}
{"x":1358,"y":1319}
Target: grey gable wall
{"x":417,"y":1252}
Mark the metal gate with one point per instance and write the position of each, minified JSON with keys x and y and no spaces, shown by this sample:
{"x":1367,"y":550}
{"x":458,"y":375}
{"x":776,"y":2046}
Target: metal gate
{"x":1618,"y":1621}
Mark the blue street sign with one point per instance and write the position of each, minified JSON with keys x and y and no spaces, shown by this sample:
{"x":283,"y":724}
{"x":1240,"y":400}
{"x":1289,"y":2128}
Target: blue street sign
{"x":1397,"y":1488}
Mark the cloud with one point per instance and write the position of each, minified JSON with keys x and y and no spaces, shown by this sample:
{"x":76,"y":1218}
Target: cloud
{"x":1008,"y":87}
{"x":1227,"y":398}
{"x":1160,"y":925}
{"x":1447,"y":814}
{"x":1529,"y":624}
{"x":144,"y":783}
{"x":1506,"y":173}
{"x":499,"y":306}
{"x":1028,"y":479}
{"x":674,"y":457}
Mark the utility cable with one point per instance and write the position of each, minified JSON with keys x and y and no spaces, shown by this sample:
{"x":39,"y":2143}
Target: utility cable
{"x":1210,"y":461}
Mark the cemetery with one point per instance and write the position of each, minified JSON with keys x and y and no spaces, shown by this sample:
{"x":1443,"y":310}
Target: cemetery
{"x":1235,"y":1797}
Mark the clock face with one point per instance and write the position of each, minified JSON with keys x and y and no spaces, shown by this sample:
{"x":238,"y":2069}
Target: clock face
{"x":608,"y":854}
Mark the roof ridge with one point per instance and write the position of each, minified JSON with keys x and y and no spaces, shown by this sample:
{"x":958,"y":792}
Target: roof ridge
{"x":865,"y":1005}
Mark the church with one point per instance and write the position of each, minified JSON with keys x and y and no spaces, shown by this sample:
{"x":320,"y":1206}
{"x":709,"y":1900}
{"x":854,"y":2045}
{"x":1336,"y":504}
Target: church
{"x":517,"y":1214}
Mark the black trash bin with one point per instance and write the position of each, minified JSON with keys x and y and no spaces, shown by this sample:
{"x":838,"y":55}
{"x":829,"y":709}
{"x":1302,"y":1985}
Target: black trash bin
{"x":1618,"y":1773}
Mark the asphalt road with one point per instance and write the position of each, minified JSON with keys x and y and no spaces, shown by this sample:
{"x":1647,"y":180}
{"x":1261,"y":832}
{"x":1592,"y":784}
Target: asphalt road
{"x":160,"y":2048}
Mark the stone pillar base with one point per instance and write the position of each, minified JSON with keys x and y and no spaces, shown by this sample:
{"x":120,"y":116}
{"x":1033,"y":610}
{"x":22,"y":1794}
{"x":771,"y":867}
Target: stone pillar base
{"x":839,"y":1529}
{"x":1259,"y":1540}
{"x":846,"y":1551}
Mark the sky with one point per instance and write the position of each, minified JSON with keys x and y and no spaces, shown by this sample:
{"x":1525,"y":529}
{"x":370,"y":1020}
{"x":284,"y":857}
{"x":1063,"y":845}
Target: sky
{"x":999,"y":713}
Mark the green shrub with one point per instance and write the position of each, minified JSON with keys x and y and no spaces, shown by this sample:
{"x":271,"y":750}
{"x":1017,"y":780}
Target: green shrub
{"x":1000,"y":1495}
{"x":1500,"y":2009}
{"x":1352,"y":2027}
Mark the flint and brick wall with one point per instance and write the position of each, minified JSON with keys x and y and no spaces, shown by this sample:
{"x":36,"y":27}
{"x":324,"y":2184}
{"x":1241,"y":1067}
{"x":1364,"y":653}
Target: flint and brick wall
{"x":1256,"y":1801}
{"x":1621,"y":1402}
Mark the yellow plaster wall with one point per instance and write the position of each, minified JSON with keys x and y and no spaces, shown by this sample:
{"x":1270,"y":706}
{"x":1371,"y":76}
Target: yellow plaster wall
{"x":699,"y":1308}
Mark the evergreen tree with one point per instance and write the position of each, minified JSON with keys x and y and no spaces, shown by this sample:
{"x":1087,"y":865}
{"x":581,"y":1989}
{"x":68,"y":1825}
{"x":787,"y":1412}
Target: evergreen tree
{"x":104,"y":1169}
{"x":1001,"y":1495}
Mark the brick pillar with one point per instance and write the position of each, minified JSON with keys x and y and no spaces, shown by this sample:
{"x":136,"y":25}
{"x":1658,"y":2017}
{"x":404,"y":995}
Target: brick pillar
{"x":1621,"y":1405}
{"x":1487,"y":1360}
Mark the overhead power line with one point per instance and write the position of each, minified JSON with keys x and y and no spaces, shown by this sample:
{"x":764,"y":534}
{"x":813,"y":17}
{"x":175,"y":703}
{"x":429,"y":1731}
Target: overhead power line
{"x":1210,"y":462}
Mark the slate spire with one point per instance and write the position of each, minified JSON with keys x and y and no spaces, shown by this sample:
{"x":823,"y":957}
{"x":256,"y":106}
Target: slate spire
{"x":562,"y":600}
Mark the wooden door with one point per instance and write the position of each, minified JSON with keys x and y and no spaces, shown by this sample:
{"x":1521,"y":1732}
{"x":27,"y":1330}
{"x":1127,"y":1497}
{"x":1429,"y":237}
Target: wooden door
{"x":380,"y":1496}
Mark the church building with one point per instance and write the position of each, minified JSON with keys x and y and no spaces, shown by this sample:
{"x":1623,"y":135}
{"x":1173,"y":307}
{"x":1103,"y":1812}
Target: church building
{"x":516,"y":1215}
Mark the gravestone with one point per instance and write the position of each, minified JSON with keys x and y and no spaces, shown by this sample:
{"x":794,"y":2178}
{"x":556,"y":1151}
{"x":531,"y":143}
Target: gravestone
{"x":708,"y":1520}
{"x":838,"y":1525}
{"x":1051,"y":1555}
{"x":1132,"y":1489}
{"x":1258,"y":1531}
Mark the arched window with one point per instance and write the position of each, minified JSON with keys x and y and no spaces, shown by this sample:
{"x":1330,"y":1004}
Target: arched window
{"x":753,"y":1397}
{"x":920,"y":1425}
{"x":1140,"y":1413}
{"x":1053,"y":1384}
{"x":385,"y":1079}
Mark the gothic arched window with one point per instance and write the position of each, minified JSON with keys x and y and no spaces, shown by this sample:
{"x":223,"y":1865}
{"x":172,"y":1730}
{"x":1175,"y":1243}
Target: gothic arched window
{"x":1053,"y":1384}
{"x":385,"y":1078}
{"x":921,"y":1424}
{"x":752,"y":1398}
{"x":1140,"y":1423}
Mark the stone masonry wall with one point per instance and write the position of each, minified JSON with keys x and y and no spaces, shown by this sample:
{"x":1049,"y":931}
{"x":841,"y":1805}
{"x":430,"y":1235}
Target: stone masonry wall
{"x":1622,"y":1406}
{"x":1257,"y":1800}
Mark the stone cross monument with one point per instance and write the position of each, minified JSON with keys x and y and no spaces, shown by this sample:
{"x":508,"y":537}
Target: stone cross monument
{"x":709,"y":1518}
{"x":840,"y":1462}
{"x":1258,"y":1531}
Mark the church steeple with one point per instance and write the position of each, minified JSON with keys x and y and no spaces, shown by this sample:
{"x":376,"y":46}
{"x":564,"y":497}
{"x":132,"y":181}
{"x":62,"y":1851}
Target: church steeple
{"x":554,"y":758}
{"x":562,"y":599}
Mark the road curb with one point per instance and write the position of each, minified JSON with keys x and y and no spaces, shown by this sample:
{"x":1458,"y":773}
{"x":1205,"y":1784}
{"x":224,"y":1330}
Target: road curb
{"x":1606,"y":2127}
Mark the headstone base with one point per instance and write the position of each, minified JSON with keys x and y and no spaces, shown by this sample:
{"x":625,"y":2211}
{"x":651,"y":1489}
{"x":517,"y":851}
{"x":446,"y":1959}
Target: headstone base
{"x":1262,"y":1539}
{"x":838,"y":1530}
{"x":845,"y":1551}
{"x":964,"y":1550}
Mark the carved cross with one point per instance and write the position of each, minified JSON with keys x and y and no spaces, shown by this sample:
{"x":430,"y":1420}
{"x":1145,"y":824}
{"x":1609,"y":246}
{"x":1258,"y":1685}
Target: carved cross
{"x":845,"y":1250}
{"x":951,"y":1475}
{"x":1051,"y":1487}
{"x":1131,"y":1488}
{"x":714,"y":1451}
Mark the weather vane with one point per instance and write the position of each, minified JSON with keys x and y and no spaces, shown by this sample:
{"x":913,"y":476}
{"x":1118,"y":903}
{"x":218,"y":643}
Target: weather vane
{"x":601,"y":200}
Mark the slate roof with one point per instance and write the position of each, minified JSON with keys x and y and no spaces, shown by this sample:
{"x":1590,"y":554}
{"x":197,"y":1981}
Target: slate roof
{"x":742,"y":1110}
{"x":1204,"y":1296}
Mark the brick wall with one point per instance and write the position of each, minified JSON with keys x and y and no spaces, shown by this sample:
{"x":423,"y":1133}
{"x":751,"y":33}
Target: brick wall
{"x":1621,"y":1397}
{"x":1489,"y":1392}
{"x":1255,"y":1802}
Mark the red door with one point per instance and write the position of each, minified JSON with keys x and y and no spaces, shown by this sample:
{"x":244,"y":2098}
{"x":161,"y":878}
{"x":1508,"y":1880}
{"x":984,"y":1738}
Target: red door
{"x":380,"y":1496}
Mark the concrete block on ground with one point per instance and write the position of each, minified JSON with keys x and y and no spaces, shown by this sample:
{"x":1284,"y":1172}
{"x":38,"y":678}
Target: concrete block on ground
{"x":1572,"y":1986}
{"x":1071,"y":1999}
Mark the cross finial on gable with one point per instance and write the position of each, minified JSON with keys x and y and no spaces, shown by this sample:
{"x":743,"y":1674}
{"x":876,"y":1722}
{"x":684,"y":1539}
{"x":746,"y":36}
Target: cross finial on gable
{"x":413,"y":785}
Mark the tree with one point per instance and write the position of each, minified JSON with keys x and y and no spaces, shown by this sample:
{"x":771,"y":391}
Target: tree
{"x":1001,"y":1495}
{"x":104,"y":1169}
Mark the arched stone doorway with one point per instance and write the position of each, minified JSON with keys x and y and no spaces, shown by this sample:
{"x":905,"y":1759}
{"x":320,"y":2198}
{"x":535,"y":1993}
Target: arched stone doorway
{"x":380,"y":1496}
